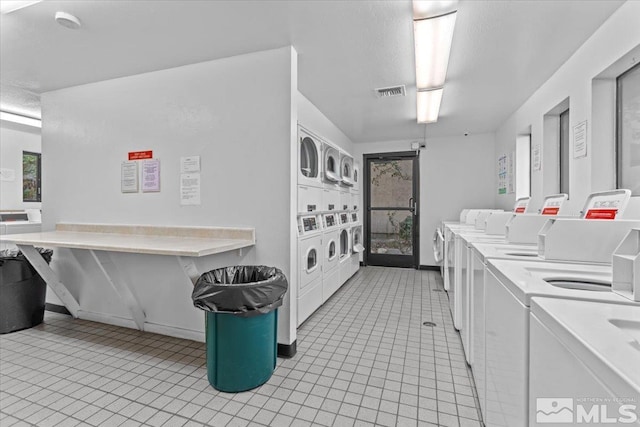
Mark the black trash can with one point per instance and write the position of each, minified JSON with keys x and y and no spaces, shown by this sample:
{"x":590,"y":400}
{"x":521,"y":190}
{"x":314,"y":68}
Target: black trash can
{"x":22,"y":291}
{"x":241,"y":324}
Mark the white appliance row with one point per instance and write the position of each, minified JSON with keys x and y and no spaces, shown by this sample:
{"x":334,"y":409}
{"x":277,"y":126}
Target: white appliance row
{"x":324,"y":165}
{"x":329,"y":250}
{"x":330,"y":235}
{"x":573,"y":263}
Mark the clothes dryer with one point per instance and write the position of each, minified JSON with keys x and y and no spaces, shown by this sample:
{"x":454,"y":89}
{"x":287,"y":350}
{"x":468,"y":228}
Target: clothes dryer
{"x":509,"y":288}
{"x":309,"y":163}
{"x":346,"y":170}
{"x":331,"y":165}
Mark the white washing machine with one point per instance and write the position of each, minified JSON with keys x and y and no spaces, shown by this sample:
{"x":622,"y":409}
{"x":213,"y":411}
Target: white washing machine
{"x":357,"y":247}
{"x":310,"y":258}
{"x":346,"y":169}
{"x":331,"y":165}
{"x":509,"y":288}
{"x":331,"y":242}
{"x":584,"y":355}
{"x":309,"y":163}
{"x":345,"y":247}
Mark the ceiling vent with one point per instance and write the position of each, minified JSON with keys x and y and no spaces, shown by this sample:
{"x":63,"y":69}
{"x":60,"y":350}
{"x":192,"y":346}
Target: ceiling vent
{"x":388,"y":92}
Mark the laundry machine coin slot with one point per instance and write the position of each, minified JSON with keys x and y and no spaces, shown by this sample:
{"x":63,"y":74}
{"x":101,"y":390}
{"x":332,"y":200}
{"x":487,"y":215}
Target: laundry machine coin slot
{"x":580,"y":285}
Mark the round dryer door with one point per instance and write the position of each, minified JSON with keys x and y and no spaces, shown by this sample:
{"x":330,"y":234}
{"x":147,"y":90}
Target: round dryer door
{"x":308,"y":158}
{"x":344,"y":243}
{"x":332,"y":250}
{"x":331,"y":165}
{"x":312,"y":259}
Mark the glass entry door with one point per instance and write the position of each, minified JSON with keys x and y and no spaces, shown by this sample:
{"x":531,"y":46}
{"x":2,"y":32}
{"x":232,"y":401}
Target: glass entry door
{"x":391,"y":200}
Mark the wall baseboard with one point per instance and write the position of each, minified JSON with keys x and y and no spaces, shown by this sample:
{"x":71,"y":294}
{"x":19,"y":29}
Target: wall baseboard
{"x":287,"y":350}
{"x":429,"y":267}
{"x":57,"y":308}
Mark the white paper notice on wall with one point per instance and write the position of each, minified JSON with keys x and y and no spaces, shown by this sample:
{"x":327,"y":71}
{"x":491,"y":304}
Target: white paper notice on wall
{"x":7,"y":174}
{"x":511,"y":162}
{"x":189,"y":189}
{"x":151,"y":176}
{"x":537,"y":157}
{"x":190,"y":164}
{"x":580,"y":140}
{"x":129,"y":177}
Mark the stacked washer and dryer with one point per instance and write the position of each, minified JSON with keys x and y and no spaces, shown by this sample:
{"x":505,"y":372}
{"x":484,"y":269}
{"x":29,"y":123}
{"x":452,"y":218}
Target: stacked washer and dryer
{"x":328,"y":219}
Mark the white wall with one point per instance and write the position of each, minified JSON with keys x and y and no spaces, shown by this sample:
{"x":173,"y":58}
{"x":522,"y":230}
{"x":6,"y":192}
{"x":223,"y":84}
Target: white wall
{"x":236,"y":113}
{"x":575,"y":80}
{"x":314,"y":120}
{"x":455,"y":173}
{"x":14,"y":139}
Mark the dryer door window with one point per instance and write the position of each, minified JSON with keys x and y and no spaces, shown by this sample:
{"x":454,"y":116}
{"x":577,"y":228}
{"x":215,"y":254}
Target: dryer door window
{"x":344,"y":243}
{"x":332,"y":250}
{"x":312,"y":260}
{"x":308,"y":158}
{"x":355,"y":175}
{"x":346,"y":170}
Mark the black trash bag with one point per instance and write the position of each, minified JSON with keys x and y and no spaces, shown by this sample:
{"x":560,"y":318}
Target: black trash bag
{"x":242,"y":290}
{"x":14,"y":267}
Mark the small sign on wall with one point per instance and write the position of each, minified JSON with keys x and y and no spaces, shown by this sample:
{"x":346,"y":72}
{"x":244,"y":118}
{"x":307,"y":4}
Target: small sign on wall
{"x":151,"y":176}
{"x":129,"y":177}
{"x":502,"y":174}
{"x":580,"y":140}
{"x":140,"y":155}
{"x":189,"y":189}
{"x":537,"y":157}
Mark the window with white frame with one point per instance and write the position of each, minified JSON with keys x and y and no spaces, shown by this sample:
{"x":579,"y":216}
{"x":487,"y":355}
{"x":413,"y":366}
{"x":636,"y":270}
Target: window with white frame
{"x":628,"y":130}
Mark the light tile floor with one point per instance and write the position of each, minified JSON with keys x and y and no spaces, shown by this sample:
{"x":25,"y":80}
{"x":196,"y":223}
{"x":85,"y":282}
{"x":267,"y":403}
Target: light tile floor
{"x":364,"y":358}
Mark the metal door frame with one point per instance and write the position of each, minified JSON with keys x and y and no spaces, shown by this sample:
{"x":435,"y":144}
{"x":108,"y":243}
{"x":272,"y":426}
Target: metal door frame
{"x":392,"y":260}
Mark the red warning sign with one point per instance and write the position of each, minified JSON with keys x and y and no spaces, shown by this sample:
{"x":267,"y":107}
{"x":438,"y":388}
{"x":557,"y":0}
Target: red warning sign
{"x":139,"y":155}
{"x":601,"y":214}
{"x":520,"y":209}
{"x":550,"y":211}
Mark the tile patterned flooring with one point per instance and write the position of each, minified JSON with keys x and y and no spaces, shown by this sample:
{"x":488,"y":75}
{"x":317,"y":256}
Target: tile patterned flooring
{"x":363,"y":359}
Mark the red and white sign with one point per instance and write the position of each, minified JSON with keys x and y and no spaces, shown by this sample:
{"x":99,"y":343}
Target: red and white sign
{"x":550,"y":211}
{"x":140,"y":155}
{"x":601,"y":214}
{"x":520,"y":209}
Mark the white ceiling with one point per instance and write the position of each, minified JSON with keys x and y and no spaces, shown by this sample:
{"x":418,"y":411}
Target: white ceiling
{"x":502,"y":51}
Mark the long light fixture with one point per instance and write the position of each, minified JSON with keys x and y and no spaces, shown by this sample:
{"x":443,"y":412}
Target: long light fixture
{"x":8,"y":6}
{"x":433,"y":24}
{"x":23,"y":120}
{"x":429,"y":105}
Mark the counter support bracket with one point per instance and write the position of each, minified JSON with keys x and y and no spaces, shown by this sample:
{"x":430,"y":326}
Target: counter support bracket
{"x":119,"y":285}
{"x":51,"y":278}
{"x":190,"y":270}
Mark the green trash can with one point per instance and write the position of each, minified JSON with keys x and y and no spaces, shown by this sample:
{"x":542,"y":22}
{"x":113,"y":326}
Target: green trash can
{"x":241,"y":324}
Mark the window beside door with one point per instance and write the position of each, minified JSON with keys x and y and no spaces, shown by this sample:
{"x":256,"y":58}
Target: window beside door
{"x":628,"y":130}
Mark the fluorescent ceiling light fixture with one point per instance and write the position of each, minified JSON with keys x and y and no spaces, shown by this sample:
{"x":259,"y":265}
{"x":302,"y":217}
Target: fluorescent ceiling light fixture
{"x":23,"y":120}
{"x":8,"y":6}
{"x":433,"y":38}
{"x":429,"y":105}
{"x":432,"y":8}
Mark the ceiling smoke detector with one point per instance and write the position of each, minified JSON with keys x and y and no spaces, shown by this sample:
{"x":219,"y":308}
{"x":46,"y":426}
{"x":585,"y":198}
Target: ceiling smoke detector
{"x":388,"y":92}
{"x":67,"y":20}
